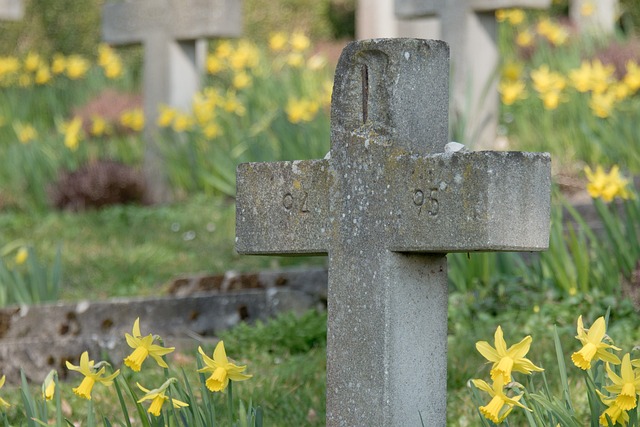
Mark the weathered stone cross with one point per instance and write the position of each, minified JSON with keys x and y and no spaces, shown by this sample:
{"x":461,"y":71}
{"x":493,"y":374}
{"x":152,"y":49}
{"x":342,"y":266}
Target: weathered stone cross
{"x":386,"y":207}
{"x":11,"y":10}
{"x":173,"y":33}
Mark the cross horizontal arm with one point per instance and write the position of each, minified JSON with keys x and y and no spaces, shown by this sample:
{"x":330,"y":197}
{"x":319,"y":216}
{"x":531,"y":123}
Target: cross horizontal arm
{"x":478,"y":201}
{"x":283,"y":207}
{"x":133,"y":21}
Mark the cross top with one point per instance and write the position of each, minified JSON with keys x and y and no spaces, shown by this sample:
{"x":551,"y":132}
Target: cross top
{"x":398,"y":89}
{"x":386,"y":207}
{"x":134,"y":21}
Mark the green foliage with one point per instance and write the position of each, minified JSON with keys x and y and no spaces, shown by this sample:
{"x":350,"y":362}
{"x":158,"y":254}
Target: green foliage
{"x":285,"y":334}
{"x":66,"y":26}
{"x":28,"y":280}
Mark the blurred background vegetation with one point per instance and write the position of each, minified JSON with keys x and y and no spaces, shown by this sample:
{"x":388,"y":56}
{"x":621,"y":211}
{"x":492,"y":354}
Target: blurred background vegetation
{"x":73,"y":26}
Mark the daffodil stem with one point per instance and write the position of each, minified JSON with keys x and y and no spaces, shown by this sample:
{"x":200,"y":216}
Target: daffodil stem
{"x":230,"y":401}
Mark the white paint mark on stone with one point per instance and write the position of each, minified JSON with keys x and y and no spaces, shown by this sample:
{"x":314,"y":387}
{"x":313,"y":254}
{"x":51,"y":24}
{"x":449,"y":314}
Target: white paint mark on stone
{"x":407,"y":55}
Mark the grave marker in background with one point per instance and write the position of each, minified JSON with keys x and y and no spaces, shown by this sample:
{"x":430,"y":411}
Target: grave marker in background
{"x":386,"y":207}
{"x":470,"y":28}
{"x":11,"y":10}
{"x":172,"y":33}
{"x":598,"y":15}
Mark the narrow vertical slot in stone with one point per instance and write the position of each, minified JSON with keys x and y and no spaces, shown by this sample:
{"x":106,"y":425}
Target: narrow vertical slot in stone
{"x":365,"y":93}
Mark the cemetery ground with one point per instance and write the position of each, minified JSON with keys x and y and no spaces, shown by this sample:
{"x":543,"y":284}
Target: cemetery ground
{"x":278,"y":110}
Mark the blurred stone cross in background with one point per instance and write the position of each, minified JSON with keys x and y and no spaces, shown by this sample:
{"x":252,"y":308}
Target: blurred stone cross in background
{"x":11,"y":10}
{"x":173,"y":35}
{"x":595,"y":15}
{"x":386,"y":205}
{"x":471,"y":29}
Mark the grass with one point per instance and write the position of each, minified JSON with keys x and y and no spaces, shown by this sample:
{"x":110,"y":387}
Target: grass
{"x":136,"y":250}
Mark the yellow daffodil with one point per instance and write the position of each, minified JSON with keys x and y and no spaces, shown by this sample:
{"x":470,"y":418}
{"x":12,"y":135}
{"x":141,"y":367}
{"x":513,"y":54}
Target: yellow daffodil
{"x":214,"y":64}
{"x":581,"y":77}
{"x":551,"y":99}
{"x":507,"y":360}
{"x":143,"y":348}
{"x":99,"y":126}
{"x":601,"y":76}
{"x":183,"y":122}
{"x":620,"y":90}
{"x":632,"y":76}
{"x":211,"y":130}
{"x":626,"y":386}
{"x":592,"y":346}
{"x":157,"y":397}
{"x":222,"y":370}
{"x":32,"y":62}
{"x":25,"y":133}
{"x":21,"y":256}
{"x":133,"y":119}
{"x":607,"y":185}
{"x":545,"y":80}
{"x":500,"y":405}
{"x":295,"y":60}
{"x":602,"y":104}
{"x":9,"y":65}
{"x":241,"y":80}
{"x":615,"y":413}
{"x":512,"y":71}
{"x":77,"y":67}
{"x":245,"y":55}
{"x":524,"y":38}
{"x":301,"y":110}
{"x":72,"y":131}
{"x":59,"y":64}
{"x":110,"y":61}
{"x":91,"y":376}
{"x":224,"y":49}
{"x":299,"y":42}
{"x":166,"y":115}
{"x":43,"y":75}
{"x":232,"y":105}
{"x":557,"y":36}
{"x":512,"y":91}
{"x":49,"y":385}
{"x":3,"y":403}
{"x":513,"y":16}
{"x":278,"y":41}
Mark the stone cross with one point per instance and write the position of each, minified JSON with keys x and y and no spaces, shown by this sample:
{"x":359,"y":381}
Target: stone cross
{"x":11,"y":10}
{"x":470,"y":28}
{"x":386,"y":205}
{"x":173,"y":34}
{"x":598,"y":15}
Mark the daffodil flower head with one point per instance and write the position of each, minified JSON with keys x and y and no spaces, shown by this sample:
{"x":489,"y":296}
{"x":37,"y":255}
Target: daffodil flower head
{"x":592,"y":346}
{"x":3,"y":403}
{"x":500,"y":405}
{"x":222,"y":370}
{"x":626,"y":386}
{"x":614,"y":412}
{"x":93,"y":373}
{"x":144,"y":347}
{"x":157,"y":397}
{"x":507,"y":360}
{"x":49,"y":385}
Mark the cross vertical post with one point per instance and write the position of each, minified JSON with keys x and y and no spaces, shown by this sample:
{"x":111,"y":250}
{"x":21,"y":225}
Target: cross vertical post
{"x":386,"y":207}
{"x":11,"y":10}
{"x":173,"y":34}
